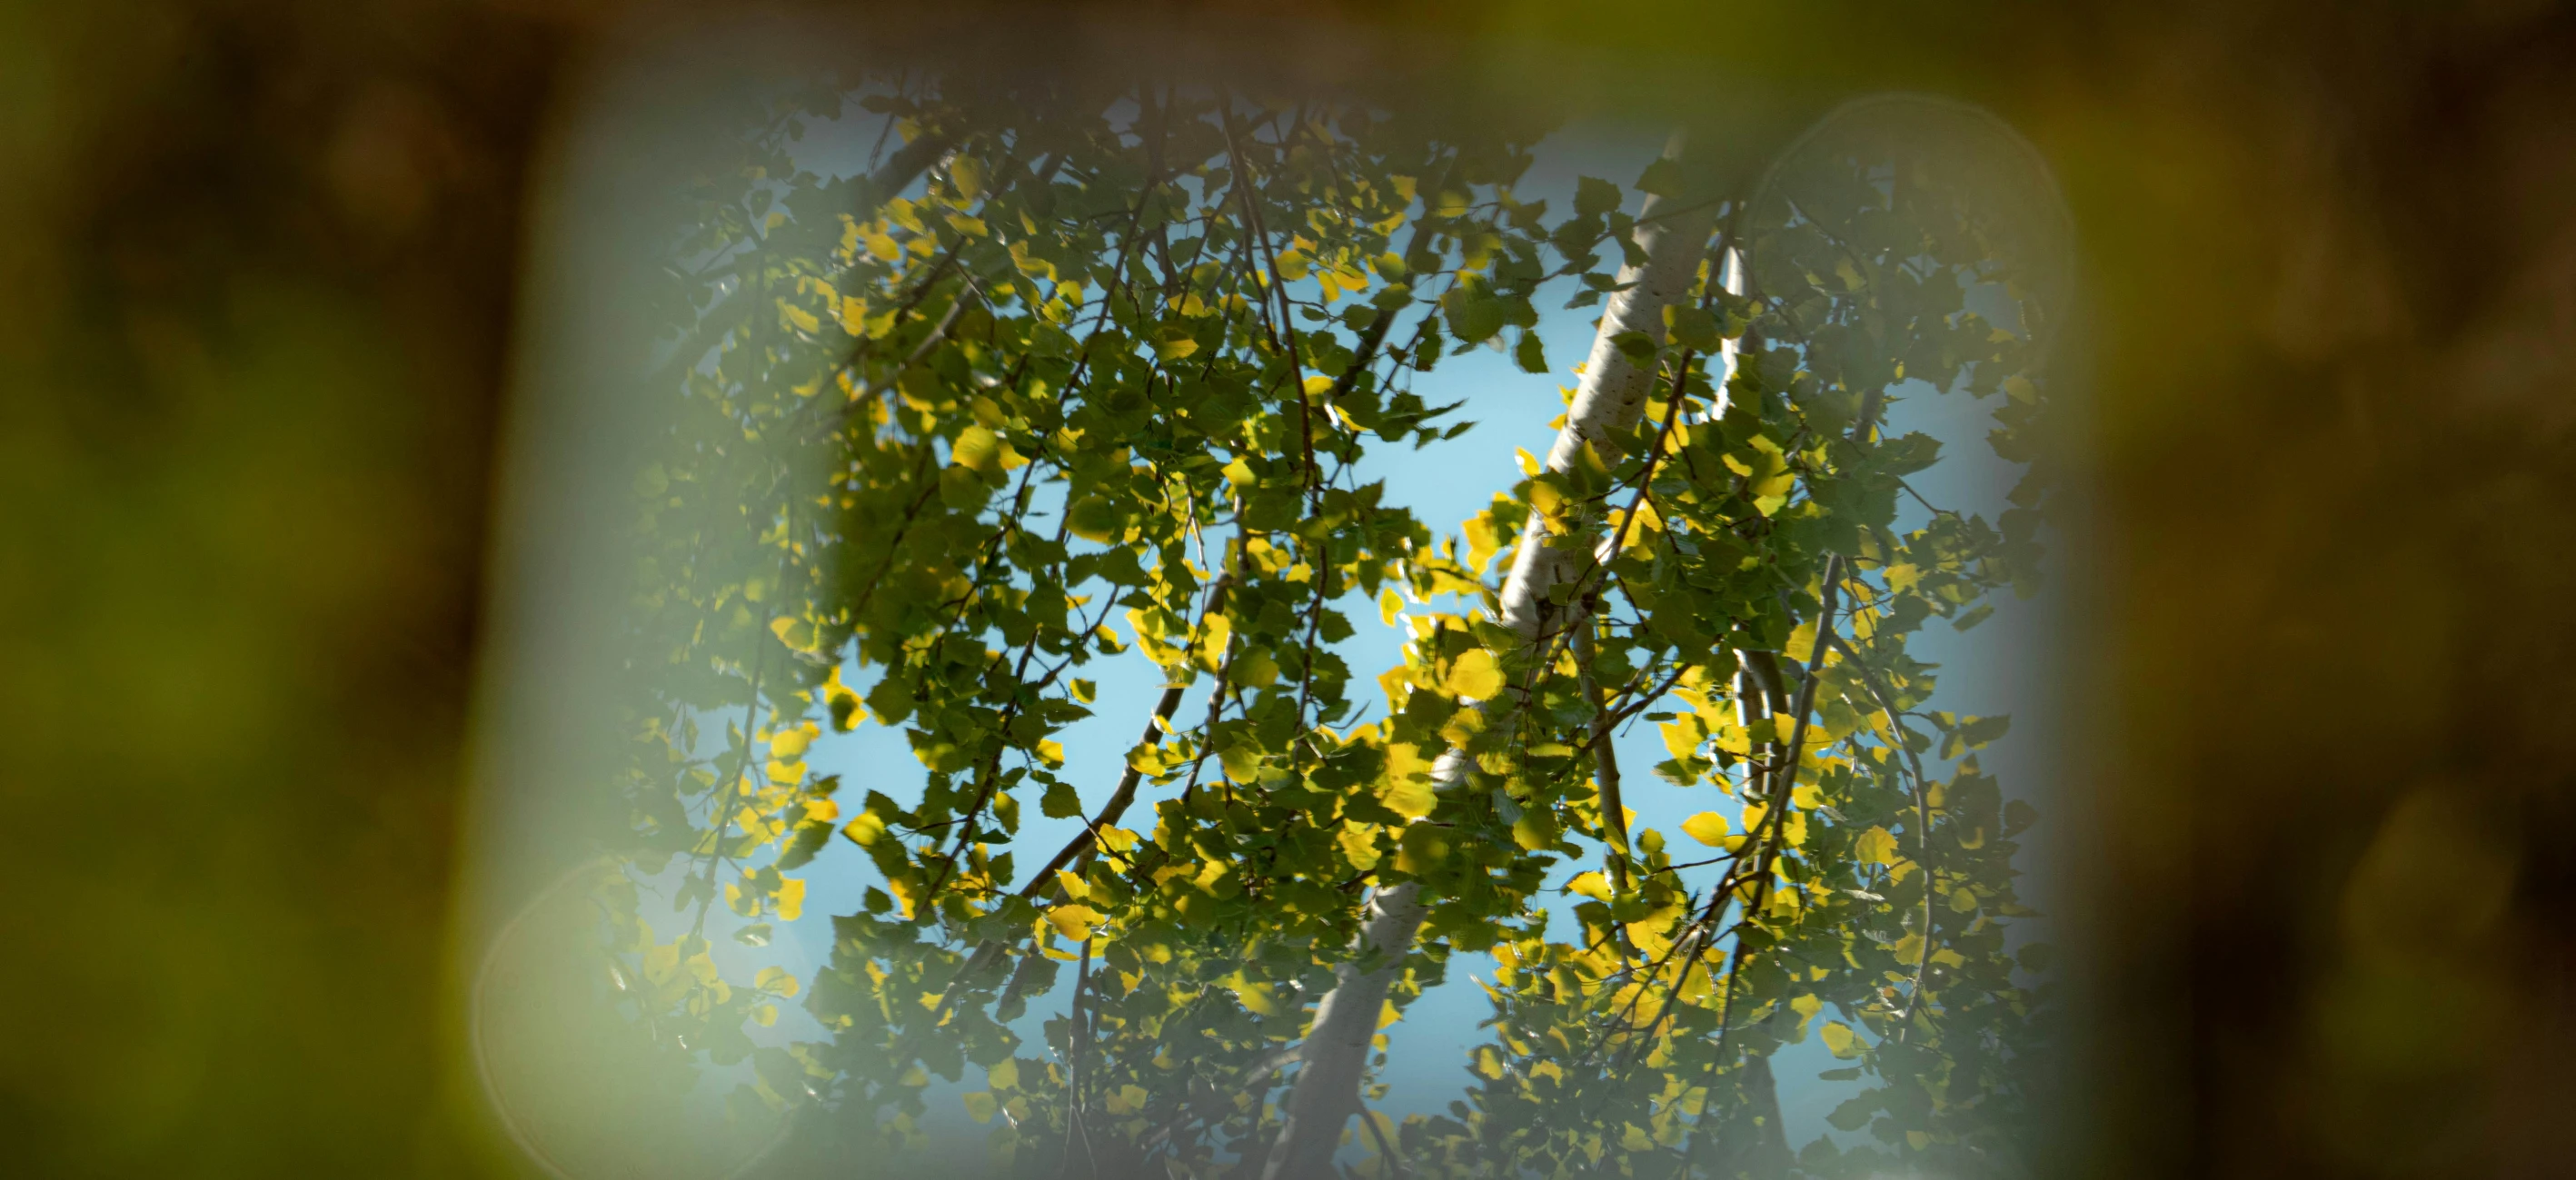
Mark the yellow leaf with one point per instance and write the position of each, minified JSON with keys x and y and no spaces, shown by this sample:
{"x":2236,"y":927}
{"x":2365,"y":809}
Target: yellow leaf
{"x":1256,"y":997}
{"x":797,"y":634}
{"x":1875,"y":846}
{"x":976,"y":447}
{"x":864,"y":830}
{"x":791,"y":899}
{"x":1404,"y":760}
{"x":843,"y":703}
{"x":1386,"y":1014}
{"x":980,"y":1106}
{"x":1839,"y":1039}
{"x":1592,"y":885}
{"x":1359,"y":843}
{"x":776,"y":979}
{"x":1073,"y":921}
{"x":1475,"y":675}
{"x":791,"y":743}
{"x":1003,"y":1075}
{"x":1030,"y":265}
{"x":1647,"y":520}
{"x":1397,"y":684}
{"x":907,"y":894}
{"x":1485,"y":538}
{"x":1802,"y":642}
{"x":1389,"y":605}
{"x":1407,"y":796}
{"x":1708,"y":827}
{"x":662,"y":962}
{"x":1683,"y":734}
{"x":803,"y":320}
{"x":765,"y":1015}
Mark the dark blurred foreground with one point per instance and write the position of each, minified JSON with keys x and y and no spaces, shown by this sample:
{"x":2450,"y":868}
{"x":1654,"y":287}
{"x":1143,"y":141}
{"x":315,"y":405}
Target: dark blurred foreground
{"x":256,"y":298}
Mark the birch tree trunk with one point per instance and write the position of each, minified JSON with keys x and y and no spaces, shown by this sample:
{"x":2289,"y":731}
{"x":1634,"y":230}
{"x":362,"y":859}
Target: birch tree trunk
{"x":1674,"y":233}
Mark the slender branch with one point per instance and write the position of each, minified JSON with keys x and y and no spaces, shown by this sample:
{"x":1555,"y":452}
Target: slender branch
{"x":1922,"y":829}
{"x":1385,"y":1150}
{"x":860,"y":397}
{"x":1078,"y":1038}
{"x":1285,"y":324}
{"x":1614,"y":814}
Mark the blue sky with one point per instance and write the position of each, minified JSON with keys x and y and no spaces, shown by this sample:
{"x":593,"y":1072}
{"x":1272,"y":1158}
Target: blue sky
{"x":1997,"y":668}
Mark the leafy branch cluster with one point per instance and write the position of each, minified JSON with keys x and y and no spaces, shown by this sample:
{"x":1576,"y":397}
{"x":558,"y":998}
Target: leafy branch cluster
{"x":1072,"y":372}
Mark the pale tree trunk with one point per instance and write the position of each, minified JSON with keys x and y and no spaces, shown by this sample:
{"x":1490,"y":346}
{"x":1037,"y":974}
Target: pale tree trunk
{"x":1674,"y":233}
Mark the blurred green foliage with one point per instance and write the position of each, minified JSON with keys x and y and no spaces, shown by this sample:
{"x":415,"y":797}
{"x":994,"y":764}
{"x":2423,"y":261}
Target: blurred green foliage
{"x":253,"y":300}
{"x":253,"y":303}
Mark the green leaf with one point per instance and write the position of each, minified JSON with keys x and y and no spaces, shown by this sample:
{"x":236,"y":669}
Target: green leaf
{"x":1528,"y":353}
{"x":1594,"y":197}
{"x":1474,"y":315}
{"x":1096,"y":518}
{"x":809,"y":840}
{"x":1662,"y":178}
{"x":1853,"y":1113}
{"x":1693,"y":329}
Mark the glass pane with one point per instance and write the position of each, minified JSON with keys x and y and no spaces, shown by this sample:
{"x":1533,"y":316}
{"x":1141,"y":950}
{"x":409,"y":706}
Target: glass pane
{"x":1154,"y":620}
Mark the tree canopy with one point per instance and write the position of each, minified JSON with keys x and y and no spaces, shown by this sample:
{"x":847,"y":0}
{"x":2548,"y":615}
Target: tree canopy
{"x":1083,"y":370}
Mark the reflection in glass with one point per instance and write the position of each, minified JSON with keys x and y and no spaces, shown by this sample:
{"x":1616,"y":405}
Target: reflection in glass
{"x":992,"y":415}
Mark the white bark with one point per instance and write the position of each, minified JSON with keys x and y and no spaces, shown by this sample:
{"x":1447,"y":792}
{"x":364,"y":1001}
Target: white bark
{"x":1674,"y":234}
